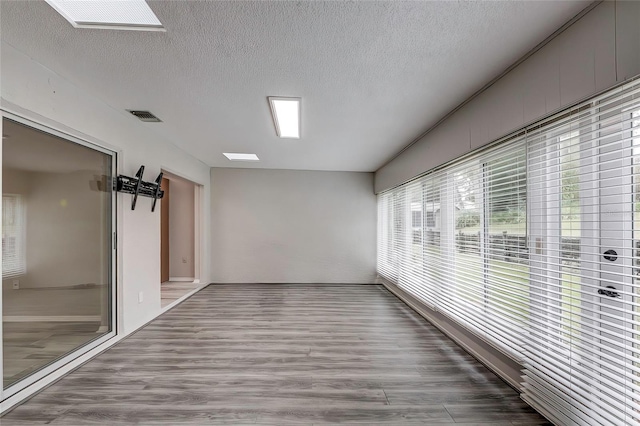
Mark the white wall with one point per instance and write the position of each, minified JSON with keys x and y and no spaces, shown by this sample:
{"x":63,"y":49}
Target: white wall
{"x":31,"y":90}
{"x":596,"y":52}
{"x":287,"y":226}
{"x":181,"y":228}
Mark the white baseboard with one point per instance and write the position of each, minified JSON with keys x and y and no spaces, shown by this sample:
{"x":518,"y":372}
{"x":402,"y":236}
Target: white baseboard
{"x":182,"y":279}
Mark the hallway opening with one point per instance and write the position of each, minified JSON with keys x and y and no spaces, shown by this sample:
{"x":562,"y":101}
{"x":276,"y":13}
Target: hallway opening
{"x":179,"y":250}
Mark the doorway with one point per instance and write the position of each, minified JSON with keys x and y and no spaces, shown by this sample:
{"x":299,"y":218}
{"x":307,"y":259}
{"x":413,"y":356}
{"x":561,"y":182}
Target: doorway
{"x":178,"y":240}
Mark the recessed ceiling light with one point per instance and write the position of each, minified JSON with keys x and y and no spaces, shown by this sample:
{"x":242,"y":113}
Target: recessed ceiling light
{"x":240,"y":157}
{"x":108,"y":14}
{"x":286,"y":116}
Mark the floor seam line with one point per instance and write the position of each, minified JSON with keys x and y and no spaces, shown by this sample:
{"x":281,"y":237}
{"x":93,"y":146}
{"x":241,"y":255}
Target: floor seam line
{"x":445,"y":409}
{"x":387,"y":398}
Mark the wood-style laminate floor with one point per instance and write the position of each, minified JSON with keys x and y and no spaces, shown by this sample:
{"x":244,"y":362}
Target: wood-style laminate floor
{"x":282,"y":354}
{"x":171,"y":291}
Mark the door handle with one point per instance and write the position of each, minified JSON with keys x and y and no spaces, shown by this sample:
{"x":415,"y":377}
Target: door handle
{"x":610,"y":255}
{"x":609,"y":293}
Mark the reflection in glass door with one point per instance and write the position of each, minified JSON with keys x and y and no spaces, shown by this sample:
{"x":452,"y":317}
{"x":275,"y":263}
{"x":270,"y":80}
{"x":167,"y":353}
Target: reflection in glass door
{"x":57,"y":225}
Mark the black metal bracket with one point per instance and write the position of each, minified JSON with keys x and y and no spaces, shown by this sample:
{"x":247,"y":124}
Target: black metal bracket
{"x":136,"y":186}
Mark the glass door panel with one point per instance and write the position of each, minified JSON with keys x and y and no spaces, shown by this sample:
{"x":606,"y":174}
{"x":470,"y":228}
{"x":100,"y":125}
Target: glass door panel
{"x":56,"y":248}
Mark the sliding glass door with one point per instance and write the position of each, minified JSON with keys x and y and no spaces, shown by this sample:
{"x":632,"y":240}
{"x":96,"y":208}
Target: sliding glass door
{"x":57,"y":252}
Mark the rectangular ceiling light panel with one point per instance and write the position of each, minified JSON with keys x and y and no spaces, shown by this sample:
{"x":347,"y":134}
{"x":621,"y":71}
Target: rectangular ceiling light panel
{"x":286,"y":116}
{"x":240,"y":157}
{"x":108,"y":14}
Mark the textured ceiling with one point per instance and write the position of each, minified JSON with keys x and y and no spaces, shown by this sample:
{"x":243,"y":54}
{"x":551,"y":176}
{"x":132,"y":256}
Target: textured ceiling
{"x":372,"y":75}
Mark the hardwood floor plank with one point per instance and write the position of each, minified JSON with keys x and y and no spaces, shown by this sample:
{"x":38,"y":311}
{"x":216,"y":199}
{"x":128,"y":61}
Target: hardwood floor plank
{"x":275,"y":354}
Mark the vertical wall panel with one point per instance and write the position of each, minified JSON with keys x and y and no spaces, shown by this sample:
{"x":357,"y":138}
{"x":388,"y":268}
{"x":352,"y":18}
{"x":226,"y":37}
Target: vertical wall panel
{"x":627,"y":39}
{"x":479,"y":126}
{"x":510,"y":103}
{"x":577,"y":62}
{"x":534,"y":81}
{"x":551,"y":88}
{"x":493,"y":109}
{"x":604,"y":39}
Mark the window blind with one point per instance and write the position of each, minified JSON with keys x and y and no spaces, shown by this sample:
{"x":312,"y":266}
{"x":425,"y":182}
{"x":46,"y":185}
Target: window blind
{"x":13,"y":232}
{"x":581,"y":358}
{"x":534,"y":245}
{"x":456,"y":239}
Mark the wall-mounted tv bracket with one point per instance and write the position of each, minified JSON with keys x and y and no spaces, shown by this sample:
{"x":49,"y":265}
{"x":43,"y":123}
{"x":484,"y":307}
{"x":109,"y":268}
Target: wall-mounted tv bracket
{"x":136,"y":186}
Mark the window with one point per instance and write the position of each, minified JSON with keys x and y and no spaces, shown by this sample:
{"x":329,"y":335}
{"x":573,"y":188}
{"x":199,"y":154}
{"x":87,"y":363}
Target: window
{"x":534,"y":244}
{"x":13,"y":235}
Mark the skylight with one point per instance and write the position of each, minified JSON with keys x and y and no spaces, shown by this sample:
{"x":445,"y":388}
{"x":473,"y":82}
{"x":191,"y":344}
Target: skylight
{"x":286,"y":116}
{"x":108,"y":14}
{"x":234,"y":156}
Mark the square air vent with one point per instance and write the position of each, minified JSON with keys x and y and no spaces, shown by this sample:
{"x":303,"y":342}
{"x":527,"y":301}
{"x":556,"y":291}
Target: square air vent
{"x":146,"y":116}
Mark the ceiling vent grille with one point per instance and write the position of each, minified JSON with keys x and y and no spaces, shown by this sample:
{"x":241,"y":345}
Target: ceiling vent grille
{"x":146,"y":116}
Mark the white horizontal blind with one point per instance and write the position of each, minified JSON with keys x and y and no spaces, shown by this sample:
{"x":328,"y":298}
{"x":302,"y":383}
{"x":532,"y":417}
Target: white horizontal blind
{"x":456,"y":239}
{"x":408,"y":239}
{"x":13,"y":233}
{"x":582,"y":362}
{"x":386,"y":261}
{"x":511,"y":242}
{"x":486,"y":259}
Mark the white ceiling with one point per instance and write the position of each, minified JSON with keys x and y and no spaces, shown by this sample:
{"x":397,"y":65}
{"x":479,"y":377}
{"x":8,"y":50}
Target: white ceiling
{"x":372,"y":75}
